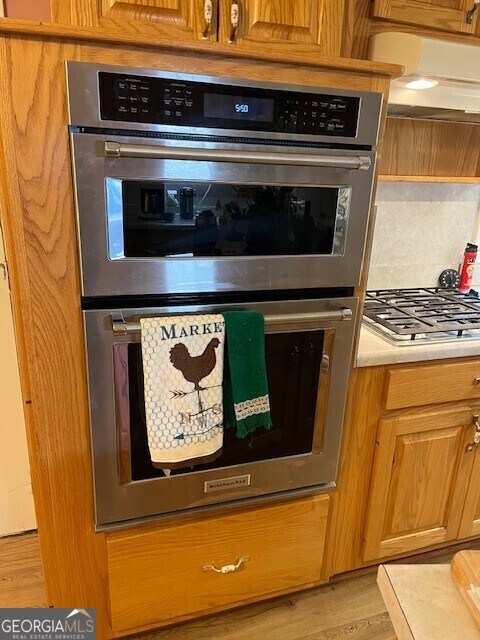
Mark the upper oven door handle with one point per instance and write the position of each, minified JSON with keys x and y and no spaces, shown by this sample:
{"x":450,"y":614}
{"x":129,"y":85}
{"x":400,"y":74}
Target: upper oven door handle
{"x":119,"y":150}
{"x":121,"y":327}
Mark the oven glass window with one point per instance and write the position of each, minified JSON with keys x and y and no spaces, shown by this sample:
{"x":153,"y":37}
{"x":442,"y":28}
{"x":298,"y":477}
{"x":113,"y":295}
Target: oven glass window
{"x":177,"y":219}
{"x":294,"y":370}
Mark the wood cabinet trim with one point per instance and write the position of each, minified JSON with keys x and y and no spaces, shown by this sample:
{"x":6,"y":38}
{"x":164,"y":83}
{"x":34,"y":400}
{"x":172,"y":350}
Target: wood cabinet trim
{"x":273,"y":53}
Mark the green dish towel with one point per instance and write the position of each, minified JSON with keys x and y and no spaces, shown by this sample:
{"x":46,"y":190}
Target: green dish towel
{"x":245,"y":387}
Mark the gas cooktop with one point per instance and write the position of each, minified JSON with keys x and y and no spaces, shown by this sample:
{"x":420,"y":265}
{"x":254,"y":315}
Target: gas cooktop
{"x":413,"y":316}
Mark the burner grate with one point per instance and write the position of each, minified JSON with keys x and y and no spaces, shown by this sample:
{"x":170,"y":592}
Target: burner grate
{"x":414,"y":313}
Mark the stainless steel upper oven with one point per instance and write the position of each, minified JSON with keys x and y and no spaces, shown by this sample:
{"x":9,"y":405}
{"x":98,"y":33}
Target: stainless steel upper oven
{"x":197,"y":184}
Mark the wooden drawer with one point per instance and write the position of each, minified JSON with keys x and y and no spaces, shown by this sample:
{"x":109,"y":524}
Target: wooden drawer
{"x":157,"y":576}
{"x":431,"y":384}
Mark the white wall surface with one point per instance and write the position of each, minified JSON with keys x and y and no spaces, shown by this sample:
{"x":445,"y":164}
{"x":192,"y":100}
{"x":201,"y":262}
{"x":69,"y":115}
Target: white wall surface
{"x":16,"y":502}
{"x":420,"y":230}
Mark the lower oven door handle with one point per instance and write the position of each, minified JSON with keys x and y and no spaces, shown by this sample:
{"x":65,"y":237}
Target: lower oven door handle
{"x":121,"y":327}
{"x":118,"y":150}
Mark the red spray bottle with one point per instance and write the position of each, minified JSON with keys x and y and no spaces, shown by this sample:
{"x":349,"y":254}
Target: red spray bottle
{"x":468,"y":267}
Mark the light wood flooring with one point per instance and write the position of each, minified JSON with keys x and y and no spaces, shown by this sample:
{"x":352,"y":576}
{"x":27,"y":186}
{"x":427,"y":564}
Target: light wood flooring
{"x":349,"y":608}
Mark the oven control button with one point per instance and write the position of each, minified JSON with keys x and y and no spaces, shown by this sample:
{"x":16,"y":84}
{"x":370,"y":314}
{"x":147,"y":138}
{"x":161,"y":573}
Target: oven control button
{"x":336,"y":125}
{"x":337,"y":105}
{"x":178,"y":113}
{"x":167,"y":113}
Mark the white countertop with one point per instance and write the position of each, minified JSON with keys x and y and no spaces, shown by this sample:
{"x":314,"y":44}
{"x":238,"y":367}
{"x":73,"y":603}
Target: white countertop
{"x":374,"y":350}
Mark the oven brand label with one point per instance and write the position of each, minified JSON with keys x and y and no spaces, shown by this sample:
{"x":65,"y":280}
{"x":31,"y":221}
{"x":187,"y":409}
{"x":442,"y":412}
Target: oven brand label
{"x":226,"y":483}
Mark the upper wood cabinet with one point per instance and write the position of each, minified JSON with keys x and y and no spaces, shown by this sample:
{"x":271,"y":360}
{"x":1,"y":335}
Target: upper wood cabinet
{"x":308,"y":26}
{"x":316,"y":25}
{"x":447,"y":15}
{"x":420,"y":478}
{"x":179,"y":19}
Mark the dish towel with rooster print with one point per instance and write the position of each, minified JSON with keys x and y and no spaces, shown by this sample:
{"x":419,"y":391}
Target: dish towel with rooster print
{"x":245,"y":389}
{"x":183,"y":374}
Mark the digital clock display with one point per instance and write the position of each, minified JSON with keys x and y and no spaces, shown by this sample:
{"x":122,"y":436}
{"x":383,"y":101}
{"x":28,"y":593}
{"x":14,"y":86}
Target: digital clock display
{"x":224,"y":107}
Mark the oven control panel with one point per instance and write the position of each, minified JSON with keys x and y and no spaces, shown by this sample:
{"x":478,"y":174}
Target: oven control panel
{"x":165,"y":101}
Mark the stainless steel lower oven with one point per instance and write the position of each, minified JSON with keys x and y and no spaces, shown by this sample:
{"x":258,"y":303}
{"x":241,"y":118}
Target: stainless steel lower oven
{"x":308,"y":351}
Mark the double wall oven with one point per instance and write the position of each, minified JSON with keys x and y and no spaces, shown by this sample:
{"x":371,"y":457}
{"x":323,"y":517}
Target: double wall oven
{"x":202,"y":194}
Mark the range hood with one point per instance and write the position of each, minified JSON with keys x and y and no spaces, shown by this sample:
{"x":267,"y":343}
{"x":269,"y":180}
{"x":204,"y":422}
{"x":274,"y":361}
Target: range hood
{"x":450,"y":70}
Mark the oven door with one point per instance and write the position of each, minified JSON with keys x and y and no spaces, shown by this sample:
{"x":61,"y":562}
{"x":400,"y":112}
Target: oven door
{"x":308,"y":353}
{"x":161,"y":216}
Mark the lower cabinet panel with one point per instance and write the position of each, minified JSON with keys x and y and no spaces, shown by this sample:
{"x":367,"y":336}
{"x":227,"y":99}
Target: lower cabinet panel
{"x":157,"y":575}
{"x":419,"y":483}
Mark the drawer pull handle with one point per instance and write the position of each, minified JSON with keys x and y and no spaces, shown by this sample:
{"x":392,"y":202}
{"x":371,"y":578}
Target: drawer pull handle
{"x":228,"y":568}
{"x":476,"y":438}
{"x":476,"y":380}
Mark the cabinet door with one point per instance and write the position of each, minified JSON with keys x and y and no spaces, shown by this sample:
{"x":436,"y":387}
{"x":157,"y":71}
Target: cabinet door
{"x":179,"y":19}
{"x":470,"y":524}
{"x":307,"y":25}
{"x":419,"y":482}
{"x":447,"y":15}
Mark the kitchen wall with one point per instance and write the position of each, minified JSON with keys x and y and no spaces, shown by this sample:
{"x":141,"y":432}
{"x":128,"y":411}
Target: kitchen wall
{"x":16,"y":501}
{"x":420,"y":230}
{"x":28,"y":9}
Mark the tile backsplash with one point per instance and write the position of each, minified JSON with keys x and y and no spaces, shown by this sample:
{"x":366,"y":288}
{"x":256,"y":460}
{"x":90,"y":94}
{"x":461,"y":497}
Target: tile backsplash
{"x":420,"y":230}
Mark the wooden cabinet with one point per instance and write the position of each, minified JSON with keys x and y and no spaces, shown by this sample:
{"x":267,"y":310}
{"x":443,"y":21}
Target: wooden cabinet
{"x":166,"y":574}
{"x":431,"y":383}
{"x":419,"y":483}
{"x":307,"y":26}
{"x":316,"y":25}
{"x":408,"y":478}
{"x":470,"y":523}
{"x":182,"y":18}
{"x":178,"y":19}
{"x":446,"y":15}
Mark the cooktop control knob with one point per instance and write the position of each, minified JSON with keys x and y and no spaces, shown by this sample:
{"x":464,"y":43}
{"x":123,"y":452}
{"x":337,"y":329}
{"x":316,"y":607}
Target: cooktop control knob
{"x":449,"y":279}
